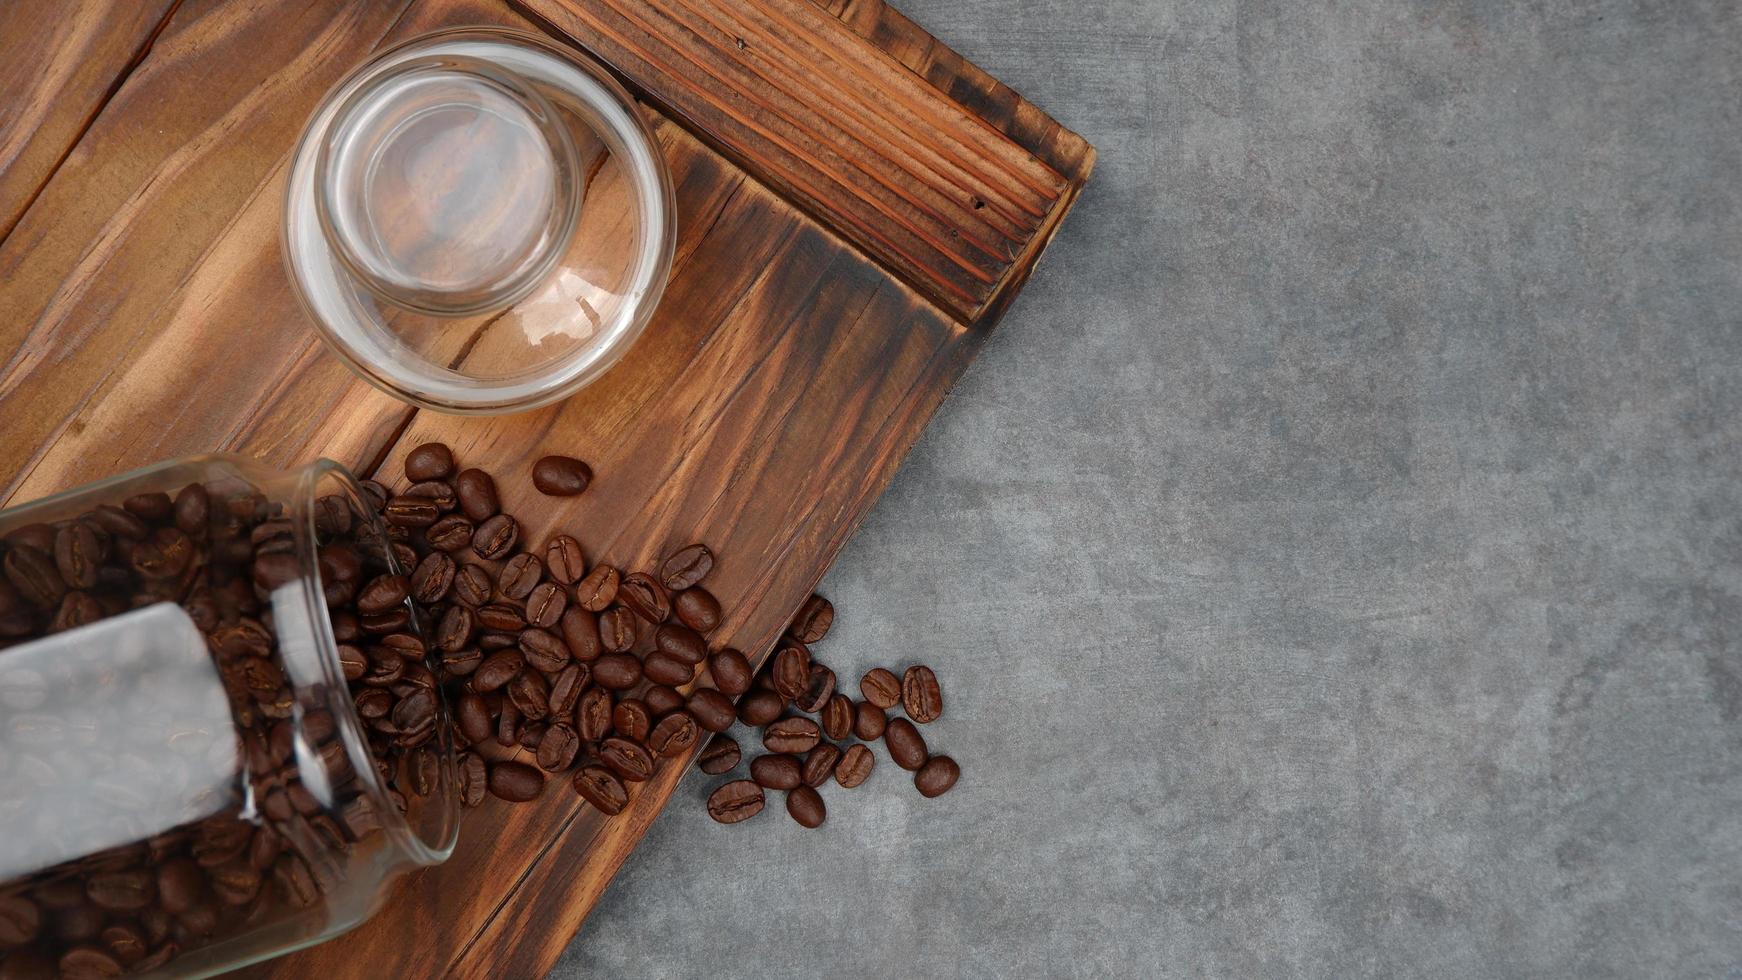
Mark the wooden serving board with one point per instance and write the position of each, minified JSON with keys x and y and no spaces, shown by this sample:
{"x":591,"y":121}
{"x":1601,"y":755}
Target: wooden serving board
{"x":857,"y":205}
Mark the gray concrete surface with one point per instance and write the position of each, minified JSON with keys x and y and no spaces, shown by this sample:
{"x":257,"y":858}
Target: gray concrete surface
{"x":1334,"y":564}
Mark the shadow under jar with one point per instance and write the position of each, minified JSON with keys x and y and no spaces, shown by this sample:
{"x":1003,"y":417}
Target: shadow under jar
{"x":219,"y":736}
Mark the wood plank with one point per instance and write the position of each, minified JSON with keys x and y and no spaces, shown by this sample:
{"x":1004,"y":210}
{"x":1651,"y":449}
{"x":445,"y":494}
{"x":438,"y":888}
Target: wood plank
{"x":59,"y":64}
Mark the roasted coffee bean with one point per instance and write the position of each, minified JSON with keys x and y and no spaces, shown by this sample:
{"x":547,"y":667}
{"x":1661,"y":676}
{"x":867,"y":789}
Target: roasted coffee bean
{"x":721,"y":755}
{"x":438,"y":492}
{"x":544,"y":607}
{"x":497,"y":670}
{"x":920,"y":696}
{"x":501,"y":617}
{"x":616,"y":629}
{"x":681,"y":642}
{"x":580,"y":630}
{"x":124,"y":940}
{"x":813,"y":620}
{"x":457,"y":629}
{"x":495,"y":537}
{"x":333,"y":516}
{"x":556,"y":752}
{"x":805,"y":805}
{"x":544,"y":650}
{"x":38,"y":536}
{"x":273,"y":569}
{"x":520,"y":575}
{"x":697,"y":608}
{"x":78,"y":924}
{"x":905,"y":745}
{"x":409,"y":511}
{"x":530,"y":693}
{"x":601,"y":787}
{"x":78,"y":554}
{"x":415,"y":712}
{"x":33,"y":573}
{"x":383,"y":593}
{"x":627,"y":759}
{"x":936,"y":776}
{"x":675,"y":734}
{"x":631,"y":719}
{"x":76,"y":609}
{"x":685,"y":567}
{"x":644,"y":597}
{"x":373,"y":702}
{"x":735,"y":801}
{"x":474,"y":776}
{"x":494,"y":640}
{"x":403,"y":554}
{"x":819,"y":763}
{"x":760,"y":707}
{"x":352,"y":662}
{"x":868,"y":721}
{"x":777,"y":771}
{"x":563,"y":558}
{"x":193,"y":508}
{"x":89,"y":963}
{"x":561,"y":476}
{"x":122,"y":891}
{"x":20,"y":920}
{"x":461,"y":663}
{"x":617,"y":671}
{"x":477,"y":495}
{"x":472,"y":714}
{"x":237,"y":883}
{"x":472,"y":585}
{"x":532,"y":735}
{"x":392,"y":621}
{"x":712,"y":709}
{"x":515,"y":782}
{"x":593,"y":714}
{"x":451,"y":533}
{"x":565,"y":689}
{"x":855,"y":766}
{"x":598,"y":589}
{"x":118,"y":522}
{"x":818,"y":689}
{"x":730,"y":671}
{"x":792,"y":735}
{"x":791,"y":671}
{"x":881,"y":687}
{"x":433,"y":579}
{"x":663,"y":668}
{"x":430,"y":461}
{"x":836,"y":718}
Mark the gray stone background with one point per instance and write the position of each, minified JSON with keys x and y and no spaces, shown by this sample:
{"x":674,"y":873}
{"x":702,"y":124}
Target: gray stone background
{"x":1334,"y":562}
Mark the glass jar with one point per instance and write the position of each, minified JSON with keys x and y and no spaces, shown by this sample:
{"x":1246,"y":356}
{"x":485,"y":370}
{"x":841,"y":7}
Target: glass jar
{"x":220,"y":736}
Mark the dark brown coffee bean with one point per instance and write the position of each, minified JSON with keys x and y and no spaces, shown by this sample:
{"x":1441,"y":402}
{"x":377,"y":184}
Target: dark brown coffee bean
{"x":663,"y":668}
{"x":122,"y":891}
{"x":593,"y":714}
{"x":662,"y":699}
{"x":712,"y":709}
{"x":721,"y":755}
{"x":819,"y":763}
{"x":33,"y":573}
{"x":38,"y":536}
{"x":598,"y":589}
{"x":497,"y":670}
{"x":193,"y":508}
{"x":565,"y":690}
{"x":404,"y":555}
{"x":409,"y":511}
{"x":631,"y":719}
{"x":855,"y":766}
{"x":644,"y":597}
{"x":556,"y":752}
{"x":561,"y":476}
{"x":477,"y":495}
{"x":20,"y":919}
{"x":496,"y":537}
{"x":730,"y":671}
{"x":813,"y":620}
{"x":433,"y":579}
{"x":515,"y":782}
{"x":905,"y":745}
{"x":494,"y":640}
{"x":580,"y":630}
{"x":791,"y":672}
{"x":451,"y":533}
{"x":520,"y":575}
{"x":474,"y":778}
{"x":461,"y":663}
{"x":818,"y":689}
{"x":383,"y":593}
{"x":333,"y":516}
{"x":544,"y":607}
{"x":78,"y":554}
{"x":681,"y":642}
{"x":791,"y":735}
{"x":544,"y":650}
{"x":805,"y":805}
{"x":760,"y":707}
{"x":697,"y":608}
{"x":415,"y":712}
{"x":392,"y":621}
{"x":935,"y":778}
{"x":881,"y":687}
{"x":438,"y":492}
{"x":472,"y":585}
{"x":352,"y":663}
{"x":735,"y":801}
{"x":921,"y":697}
{"x":627,"y":759}
{"x":236,"y":883}
{"x":430,"y":461}
{"x":617,"y":629}
{"x":685,"y":567}
{"x":458,"y":627}
{"x":124,"y":940}
{"x":778,"y":771}
{"x":601,"y":787}
{"x":562,"y":556}
{"x":76,"y":610}
{"x":118,"y":522}
{"x":78,"y":924}
{"x":501,"y":617}
{"x":530,"y":693}
{"x":869,"y":721}
{"x":837,"y":717}
{"x":472,"y":714}
{"x":273,"y":569}
{"x":89,"y":963}
{"x":675,"y":734}
{"x":617,"y":671}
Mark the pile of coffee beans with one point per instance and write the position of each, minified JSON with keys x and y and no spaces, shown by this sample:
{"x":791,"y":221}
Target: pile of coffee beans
{"x":804,"y":754}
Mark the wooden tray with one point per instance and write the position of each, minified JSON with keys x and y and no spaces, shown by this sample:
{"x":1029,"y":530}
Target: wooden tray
{"x":857,"y":205}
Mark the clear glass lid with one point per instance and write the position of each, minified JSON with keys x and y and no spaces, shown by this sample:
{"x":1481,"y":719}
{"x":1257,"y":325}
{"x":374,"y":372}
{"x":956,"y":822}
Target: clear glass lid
{"x":478,"y":221}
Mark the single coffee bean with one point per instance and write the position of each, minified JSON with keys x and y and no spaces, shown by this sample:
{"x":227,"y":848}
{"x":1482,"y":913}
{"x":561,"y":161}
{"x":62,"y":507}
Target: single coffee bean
{"x":837,"y":717}
{"x":616,"y":629}
{"x":730,"y":671}
{"x":515,"y":782}
{"x":236,"y":883}
{"x":122,"y":891}
{"x":451,"y":533}
{"x":497,"y":670}
{"x":686,"y":566}
{"x":118,"y":522}
{"x":556,"y":752}
{"x":433,"y":579}
{"x":778,"y":771}
{"x":565,"y":690}
{"x":403,"y":554}
{"x":819,"y":763}
{"x":697,"y":608}
{"x":409,"y":511}
{"x":681,"y":642}
{"x":530,"y":692}
{"x":89,"y":963}
{"x":193,"y":508}
{"x":630,"y":719}
{"x":935,"y":778}
{"x":601,"y":787}
{"x":791,"y":671}
{"x":805,"y":805}
{"x":627,"y":759}
{"x":352,"y":662}
{"x":920,"y":696}
{"x":461,"y":663}
{"x":33,"y":573}
{"x":124,"y":940}
{"x":544,"y":650}
{"x":855,"y":766}
{"x":792,"y":735}
{"x":495,"y":537}
{"x":416,"y":711}
{"x":20,"y":919}
{"x":477,"y":494}
{"x":561,"y":476}
{"x":473,"y":717}
{"x":383,"y":593}
{"x":76,"y":609}
{"x":818,"y":689}
{"x":712,"y":709}
{"x":520,"y":575}
{"x":544,"y":607}
{"x":472,"y":585}
{"x":663,"y":668}
{"x":675,"y":734}
{"x":391,"y":621}
{"x":735,"y":801}
{"x":40,"y":536}
{"x":881,"y":687}
{"x":457,"y":628}
{"x":562,"y":556}
{"x":438,"y":492}
{"x":617,"y":671}
{"x":760,"y":707}
{"x":813,"y":620}
{"x":721,"y":755}
{"x":868,"y":721}
{"x":644,"y":597}
{"x":493,"y":640}
{"x":430,"y":461}
{"x":593,"y":714}
{"x":580,"y":630}
{"x":501,"y":617}
{"x":78,"y":554}
{"x":598,"y":589}
{"x":904,"y":744}
{"x":474,"y":778}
